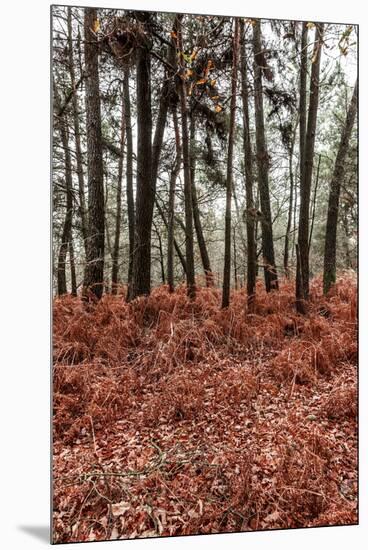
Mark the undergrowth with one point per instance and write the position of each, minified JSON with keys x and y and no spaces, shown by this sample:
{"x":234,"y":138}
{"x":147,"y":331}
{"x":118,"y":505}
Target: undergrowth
{"x":176,"y":417}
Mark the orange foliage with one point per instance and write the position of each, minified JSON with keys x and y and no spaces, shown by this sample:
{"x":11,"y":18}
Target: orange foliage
{"x":214,"y":420}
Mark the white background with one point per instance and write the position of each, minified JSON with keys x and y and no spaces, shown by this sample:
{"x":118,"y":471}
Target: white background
{"x":25,"y":266}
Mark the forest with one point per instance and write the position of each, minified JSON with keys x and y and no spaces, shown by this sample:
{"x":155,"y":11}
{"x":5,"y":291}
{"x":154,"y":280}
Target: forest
{"x":205,"y":218}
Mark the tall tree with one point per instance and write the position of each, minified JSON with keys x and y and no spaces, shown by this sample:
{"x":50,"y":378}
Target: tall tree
{"x":307,"y":157}
{"x":165,"y":94}
{"x":73,"y":277}
{"x":249,"y":180}
{"x":115,"y":250}
{"x":313,"y":205}
{"x":66,"y":236}
{"x":229,"y":171}
{"x":186,"y":162}
{"x":145,"y":193}
{"x":290,"y":150}
{"x":171,"y":207}
{"x":129,"y":180}
{"x":94,"y":271}
{"x":147,"y":161}
{"x":77,"y":133}
{"x":329,"y":268}
{"x":303,"y":98}
{"x":270,"y":272}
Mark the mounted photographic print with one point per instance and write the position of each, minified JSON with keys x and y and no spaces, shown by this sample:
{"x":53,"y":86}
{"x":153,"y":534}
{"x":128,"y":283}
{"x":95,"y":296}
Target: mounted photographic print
{"x":205,"y":181}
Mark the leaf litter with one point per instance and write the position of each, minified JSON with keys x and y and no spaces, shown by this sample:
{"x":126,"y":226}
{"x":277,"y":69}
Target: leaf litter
{"x":178,"y":418}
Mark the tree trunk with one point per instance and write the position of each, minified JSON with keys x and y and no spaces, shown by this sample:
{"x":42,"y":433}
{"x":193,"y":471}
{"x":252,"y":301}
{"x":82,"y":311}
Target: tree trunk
{"x":329,"y":268}
{"x":78,"y":148}
{"x":170,"y":230}
{"x":108,"y":246}
{"x":302,"y":121}
{"x":67,"y":227}
{"x":302,"y":275}
{"x":290,"y":210}
{"x":186,"y":161}
{"x":196,"y":213}
{"x":73,"y":277}
{"x":161,"y":252}
{"x":348,"y":262}
{"x":145,"y":193}
{"x":115,"y":252}
{"x":165,"y":97}
{"x":229,"y":172}
{"x":256,"y":230}
{"x":313,"y":214}
{"x":129,"y":180}
{"x":142,"y":260}
{"x":239,"y":222}
{"x":270,"y":272}
{"x":303,"y":98}
{"x":176,"y":245}
{"x":179,"y":253}
{"x":93,"y":274}
{"x":294,"y":218}
{"x":235,"y":260}
{"x":248,"y":165}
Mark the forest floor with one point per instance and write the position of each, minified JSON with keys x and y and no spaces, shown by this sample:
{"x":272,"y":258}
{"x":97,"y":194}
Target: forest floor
{"x":175,"y":418}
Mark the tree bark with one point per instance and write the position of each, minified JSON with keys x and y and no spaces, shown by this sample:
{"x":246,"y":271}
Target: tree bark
{"x":144,"y":206}
{"x":229,"y":172}
{"x":302,"y":275}
{"x":170,"y":230}
{"x":270,"y":272}
{"x":67,"y":227}
{"x":129,"y":181}
{"x":302,"y":120}
{"x":290,"y":209}
{"x":73,"y":277}
{"x":94,"y":271}
{"x":329,"y":268}
{"x":294,"y":218}
{"x":191,"y":290}
{"x":239,"y":222}
{"x":77,"y":137}
{"x":313,"y":214}
{"x":165,"y":96}
{"x":145,"y":192}
{"x":115,"y":251}
{"x":161,"y":252}
{"x":249,"y":182}
{"x":303,"y":98}
{"x":235,"y":260}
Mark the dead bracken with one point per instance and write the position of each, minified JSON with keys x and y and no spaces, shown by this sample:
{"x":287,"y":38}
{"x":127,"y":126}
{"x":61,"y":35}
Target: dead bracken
{"x":174,"y":417}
